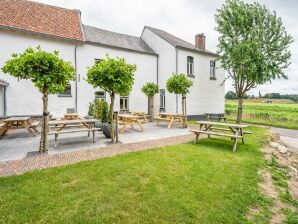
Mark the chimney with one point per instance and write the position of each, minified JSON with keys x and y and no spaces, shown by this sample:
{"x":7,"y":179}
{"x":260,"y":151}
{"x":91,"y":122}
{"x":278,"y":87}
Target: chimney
{"x":200,"y":41}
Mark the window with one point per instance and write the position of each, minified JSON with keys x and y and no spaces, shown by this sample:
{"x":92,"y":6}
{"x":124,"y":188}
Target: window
{"x":101,"y":95}
{"x":67,"y":91}
{"x":124,"y":103}
{"x":97,"y":60}
{"x":162,"y":100}
{"x":190,"y":66}
{"x":212,"y":70}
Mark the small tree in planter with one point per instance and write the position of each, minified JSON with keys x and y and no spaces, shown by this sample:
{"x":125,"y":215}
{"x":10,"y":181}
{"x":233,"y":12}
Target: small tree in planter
{"x":180,"y":84}
{"x":114,"y":76}
{"x":49,"y":73}
{"x":150,"y":89}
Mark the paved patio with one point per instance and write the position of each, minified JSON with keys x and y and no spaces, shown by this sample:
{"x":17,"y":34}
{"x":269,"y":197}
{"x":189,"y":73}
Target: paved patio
{"x":18,"y":142}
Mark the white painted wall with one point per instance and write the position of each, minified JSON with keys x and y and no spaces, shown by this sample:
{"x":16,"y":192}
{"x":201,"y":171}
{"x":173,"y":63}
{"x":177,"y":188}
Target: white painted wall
{"x":1,"y":101}
{"x":146,"y":72}
{"x":22,"y":96}
{"x":166,"y":65}
{"x":206,"y":96}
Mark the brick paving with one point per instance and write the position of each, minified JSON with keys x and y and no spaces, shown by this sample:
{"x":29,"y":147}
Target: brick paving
{"x":42,"y":161}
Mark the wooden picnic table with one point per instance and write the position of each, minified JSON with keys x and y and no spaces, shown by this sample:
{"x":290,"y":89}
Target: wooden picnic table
{"x":170,"y":118}
{"x":141,"y":115}
{"x":72,"y":116}
{"x":60,"y":124}
{"x":23,"y":122}
{"x":84,"y":125}
{"x":206,"y":127}
{"x":128,"y":119}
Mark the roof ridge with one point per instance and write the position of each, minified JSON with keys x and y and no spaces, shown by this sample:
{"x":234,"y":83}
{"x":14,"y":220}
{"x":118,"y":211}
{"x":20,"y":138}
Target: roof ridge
{"x":111,"y":31}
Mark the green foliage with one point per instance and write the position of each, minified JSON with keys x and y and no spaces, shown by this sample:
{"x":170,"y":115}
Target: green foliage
{"x":99,"y":111}
{"x":44,"y":69}
{"x":179,"y":84}
{"x":275,"y":114}
{"x":253,"y":44}
{"x":91,"y":109}
{"x":150,"y":89}
{"x":112,"y":75}
{"x":231,"y":95}
{"x":291,"y":216}
{"x":186,"y":183}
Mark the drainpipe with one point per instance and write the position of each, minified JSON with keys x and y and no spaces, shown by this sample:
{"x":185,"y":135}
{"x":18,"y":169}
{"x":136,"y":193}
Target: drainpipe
{"x":157,"y":61}
{"x":5,"y":107}
{"x":76,"y":81}
{"x":176,"y":73}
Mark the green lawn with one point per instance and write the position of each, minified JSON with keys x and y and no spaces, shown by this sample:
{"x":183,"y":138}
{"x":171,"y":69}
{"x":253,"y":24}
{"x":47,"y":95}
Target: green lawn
{"x":203,"y":183}
{"x":278,"y":114}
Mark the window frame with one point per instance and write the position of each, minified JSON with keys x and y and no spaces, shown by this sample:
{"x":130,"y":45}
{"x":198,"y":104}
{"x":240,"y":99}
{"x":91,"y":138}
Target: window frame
{"x":103,"y":97}
{"x":190,"y":66}
{"x":126,"y":98}
{"x":66,"y":94}
{"x":162,"y":100}
{"x":213,"y":70}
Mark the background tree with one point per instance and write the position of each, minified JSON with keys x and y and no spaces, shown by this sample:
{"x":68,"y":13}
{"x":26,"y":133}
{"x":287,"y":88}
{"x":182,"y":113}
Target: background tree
{"x":253,"y":46}
{"x":180,"y":84}
{"x":49,"y":73}
{"x":231,"y":95}
{"x":150,"y":89}
{"x":114,"y":76}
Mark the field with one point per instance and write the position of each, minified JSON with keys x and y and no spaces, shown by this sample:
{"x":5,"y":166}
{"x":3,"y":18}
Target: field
{"x":281,"y":113}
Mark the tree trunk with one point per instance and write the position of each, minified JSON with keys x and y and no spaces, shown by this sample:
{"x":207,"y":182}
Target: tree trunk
{"x":151,"y":109}
{"x":44,"y":132}
{"x":240,"y":110}
{"x":111,"y":116}
{"x":184,"y":125}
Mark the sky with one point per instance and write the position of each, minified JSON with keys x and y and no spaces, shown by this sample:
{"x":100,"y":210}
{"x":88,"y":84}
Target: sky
{"x":184,"y":19}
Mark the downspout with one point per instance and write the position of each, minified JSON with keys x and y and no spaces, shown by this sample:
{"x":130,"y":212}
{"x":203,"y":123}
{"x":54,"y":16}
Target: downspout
{"x":176,"y":73}
{"x":157,"y":62}
{"x":5,"y":103}
{"x":76,"y":81}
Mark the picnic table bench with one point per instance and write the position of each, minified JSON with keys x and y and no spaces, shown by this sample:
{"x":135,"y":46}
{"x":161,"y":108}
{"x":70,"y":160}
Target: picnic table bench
{"x":127,"y":119}
{"x":217,"y":117}
{"x":61,"y":124}
{"x":206,"y":127}
{"x":141,"y":115}
{"x":23,"y":122}
{"x":169,"y":118}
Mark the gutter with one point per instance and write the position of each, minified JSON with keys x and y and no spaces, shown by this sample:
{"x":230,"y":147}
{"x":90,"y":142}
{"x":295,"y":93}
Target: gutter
{"x":5,"y":103}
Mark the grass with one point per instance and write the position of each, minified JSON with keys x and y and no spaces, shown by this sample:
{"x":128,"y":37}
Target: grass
{"x":202,"y":183}
{"x":278,"y":114}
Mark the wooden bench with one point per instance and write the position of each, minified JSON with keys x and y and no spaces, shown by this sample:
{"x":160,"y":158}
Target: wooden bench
{"x":217,"y":117}
{"x":56,"y":133}
{"x":227,"y":129}
{"x":2,"y":128}
{"x":234,"y":137}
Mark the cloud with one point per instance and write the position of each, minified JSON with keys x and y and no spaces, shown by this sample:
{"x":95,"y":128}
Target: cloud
{"x":185,"y":19}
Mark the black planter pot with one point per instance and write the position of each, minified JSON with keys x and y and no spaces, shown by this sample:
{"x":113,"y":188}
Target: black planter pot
{"x":107,"y":130}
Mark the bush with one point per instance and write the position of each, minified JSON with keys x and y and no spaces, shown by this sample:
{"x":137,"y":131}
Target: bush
{"x":99,"y":109}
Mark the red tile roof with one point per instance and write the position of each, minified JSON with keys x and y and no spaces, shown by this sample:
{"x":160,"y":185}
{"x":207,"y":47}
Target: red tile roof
{"x":41,"y":18}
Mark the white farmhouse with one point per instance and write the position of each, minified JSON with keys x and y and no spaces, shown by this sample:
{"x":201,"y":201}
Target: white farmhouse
{"x":157,"y":54}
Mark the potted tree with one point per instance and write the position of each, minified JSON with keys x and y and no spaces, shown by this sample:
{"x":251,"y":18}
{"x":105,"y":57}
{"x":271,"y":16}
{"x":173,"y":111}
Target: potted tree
{"x":180,"y":84}
{"x":49,"y":73}
{"x":150,"y":89}
{"x":114,"y":76}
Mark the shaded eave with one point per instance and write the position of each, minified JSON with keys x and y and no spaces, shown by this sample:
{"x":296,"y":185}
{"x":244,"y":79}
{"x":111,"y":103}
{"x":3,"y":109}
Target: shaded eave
{"x":58,"y":37}
{"x":120,"y":48}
